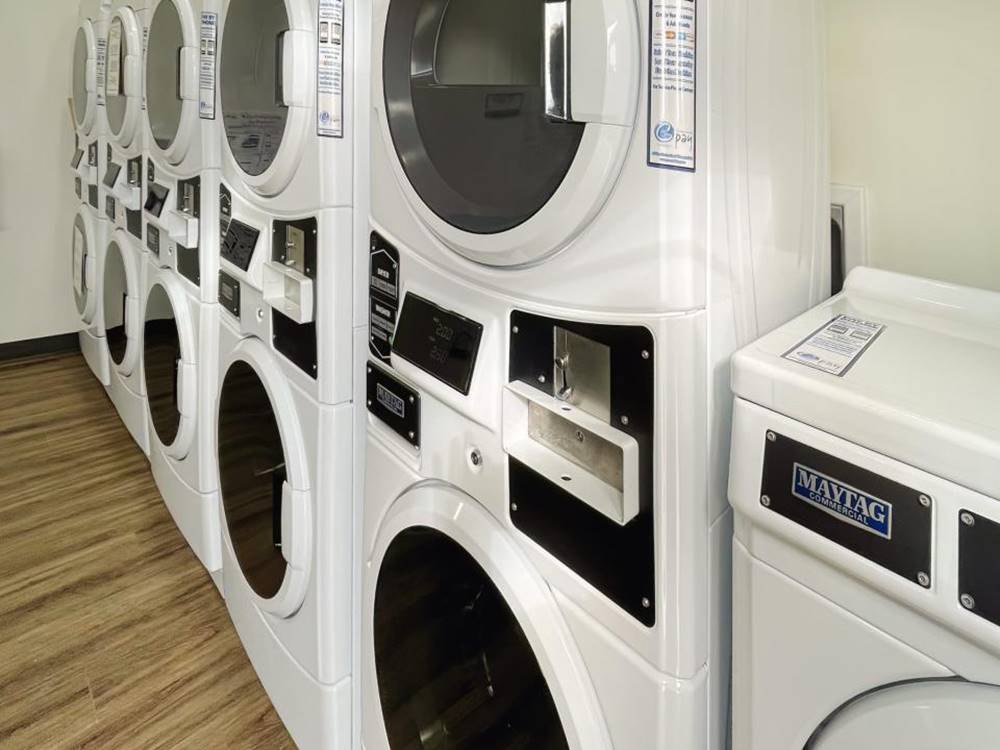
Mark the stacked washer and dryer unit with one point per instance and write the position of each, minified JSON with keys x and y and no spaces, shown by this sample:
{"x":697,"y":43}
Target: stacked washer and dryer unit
{"x":124,"y":269}
{"x":90,"y":229}
{"x":292,"y":100}
{"x":583,"y":210}
{"x":179,"y":315}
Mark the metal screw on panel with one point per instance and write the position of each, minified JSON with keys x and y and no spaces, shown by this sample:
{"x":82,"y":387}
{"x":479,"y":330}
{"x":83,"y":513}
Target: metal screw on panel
{"x":968,"y":519}
{"x":771,"y":436}
{"x":967,"y":601}
{"x":475,"y":457}
{"x":513,"y":507}
{"x":646,"y":604}
{"x":925,"y":501}
{"x":369,"y":371}
{"x":645,"y":354}
{"x":315,"y":368}
{"x":924,"y":580}
{"x":541,"y":378}
{"x":515,"y":329}
{"x":765,"y":501}
{"x":412,"y":434}
{"x":412,"y":400}
{"x":624,"y":420}
{"x":579,"y":436}
{"x":369,"y":402}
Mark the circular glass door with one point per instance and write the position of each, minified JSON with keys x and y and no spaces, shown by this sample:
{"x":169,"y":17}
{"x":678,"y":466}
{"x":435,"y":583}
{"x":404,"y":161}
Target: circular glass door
{"x":81,"y":255}
{"x":116,"y":294}
{"x":163,"y":85}
{"x":253,"y":109}
{"x":455,"y":670}
{"x":81,"y":97}
{"x":252,"y":475}
{"x":466,"y":110}
{"x":115,"y":100}
{"x":161,"y":362}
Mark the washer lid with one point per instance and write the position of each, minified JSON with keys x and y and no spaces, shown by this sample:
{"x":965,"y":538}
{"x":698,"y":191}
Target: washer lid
{"x":911,"y":373}
{"x":931,"y":715}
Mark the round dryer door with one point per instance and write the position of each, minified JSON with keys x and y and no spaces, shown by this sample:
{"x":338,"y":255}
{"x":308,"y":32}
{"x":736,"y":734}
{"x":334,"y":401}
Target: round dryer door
{"x":255,"y":105}
{"x":120,"y":290}
{"x":85,"y":77}
{"x":170,"y":89}
{"x":263,"y":480}
{"x":479,"y":107}
{"x":169,"y":369}
{"x":925,"y":715}
{"x":122,"y":85}
{"x":84,"y":265}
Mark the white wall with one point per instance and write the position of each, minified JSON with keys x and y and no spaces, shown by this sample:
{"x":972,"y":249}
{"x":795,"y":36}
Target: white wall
{"x":915,"y":115}
{"x":36,"y":188}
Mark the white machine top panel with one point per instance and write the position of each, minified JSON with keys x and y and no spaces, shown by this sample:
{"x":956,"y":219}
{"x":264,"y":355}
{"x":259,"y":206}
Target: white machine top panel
{"x":911,"y":371}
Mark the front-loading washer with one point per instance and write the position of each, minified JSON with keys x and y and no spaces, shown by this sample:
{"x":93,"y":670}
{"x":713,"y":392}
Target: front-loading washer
{"x":180,"y":208}
{"x":287,"y":473}
{"x":179,"y":359}
{"x":614,"y":191}
{"x":864,"y":478}
{"x":293,"y":92}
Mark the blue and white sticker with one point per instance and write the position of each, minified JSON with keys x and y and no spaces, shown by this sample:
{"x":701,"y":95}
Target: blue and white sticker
{"x":330,"y":69}
{"x":842,"y":501}
{"x":673,"y":52}
{"x":836,"y":347}
{"x":207,"y":71}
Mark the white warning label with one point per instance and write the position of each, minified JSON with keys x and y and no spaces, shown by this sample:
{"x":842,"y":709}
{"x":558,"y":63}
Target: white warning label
{"x":672,"y":83}
{"x":102,"y":64}
{"x":114,"y":73}
{"x":330,"y":69}
{"x":837,"y":346}
{"x":207,"y":66}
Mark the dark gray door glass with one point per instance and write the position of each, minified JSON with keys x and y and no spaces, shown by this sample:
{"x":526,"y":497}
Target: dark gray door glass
{"x":455,"y":670}
{"x":161,"y":353}
{"x":466,"y":108}
{"x":115,"y":298}
{"x":253,"y":108}
{"x":115,"y":100}
{"x":80,"y":96}
{"x":163,"y":87}
{"x":251,"y":477}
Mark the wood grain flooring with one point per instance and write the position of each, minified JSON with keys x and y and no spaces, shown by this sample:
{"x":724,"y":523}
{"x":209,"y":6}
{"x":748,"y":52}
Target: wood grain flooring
{"x":112,"y":635}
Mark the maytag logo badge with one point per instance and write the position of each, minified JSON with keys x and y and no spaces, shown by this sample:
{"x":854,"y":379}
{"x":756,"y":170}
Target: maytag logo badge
{"x":842,"y":501}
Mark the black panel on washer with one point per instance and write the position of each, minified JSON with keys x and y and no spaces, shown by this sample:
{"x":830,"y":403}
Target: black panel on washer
{"x":296,"y":341}
{"x":111,"y":175}
{"x":239,"y":243}
{"x":866,"y":513}
{"x":93,"y":196}
{"x":307,"y":232}
{"x":394,"y":403}
{"x":229,"y":293}
{"x":153,"y":239}
{"x":189,"y":196}
{"x":134,"y":174}
{"x":383,"y":296}
{"x":133,"y":222}
{"x":979,"y":565}
{"x":110,"y":207}
{"x":156,"y":197}
{"x":189,"y":264}
{"x":617,"y":560}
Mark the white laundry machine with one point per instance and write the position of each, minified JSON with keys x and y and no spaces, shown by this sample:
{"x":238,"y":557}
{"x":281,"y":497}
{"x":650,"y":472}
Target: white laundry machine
{"x":292,"y":91}
{"x":569,"y":243}
{"x":124,"y":269}
{"x":866,"y":442}
{"x":90,"y":232}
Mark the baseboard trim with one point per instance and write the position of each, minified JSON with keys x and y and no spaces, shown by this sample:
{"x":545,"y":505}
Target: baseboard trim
{"x":66,"y":342}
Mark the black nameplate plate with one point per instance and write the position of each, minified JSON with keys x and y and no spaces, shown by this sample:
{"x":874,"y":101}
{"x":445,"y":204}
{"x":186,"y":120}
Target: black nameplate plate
{"x":156,"y":198}
{"x":93,"y":196}
{"x":111,"y":176}
{"x":395,"y":404}
{"x":866,"y":513}
{"x":229,"y":293}
{"x":110,"y":207}
{"x":440,"y":342}
{"x":383,"y":291}
{"x":189,"y":264}
{"x":153,"y":239}
{"x":979,"y":565}
{"x":133,"y":222}
{"x":239,"y":243}
{"x":296,"y":341}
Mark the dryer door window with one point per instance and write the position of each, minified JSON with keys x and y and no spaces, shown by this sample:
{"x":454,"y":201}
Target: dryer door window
{"x":163,"y":84}
{"x":115,"y":298}
{"x":252,"y":475}
{"x":467,"y":110}
{"x":114,"y":80}
{"x":253,"y":108}
{"x":454,"y":667}
{"x":161,"y":359}
{"x":81,"y":98}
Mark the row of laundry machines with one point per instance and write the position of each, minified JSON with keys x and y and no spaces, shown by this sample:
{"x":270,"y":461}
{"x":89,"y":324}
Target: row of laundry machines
{"x":423,"y":313}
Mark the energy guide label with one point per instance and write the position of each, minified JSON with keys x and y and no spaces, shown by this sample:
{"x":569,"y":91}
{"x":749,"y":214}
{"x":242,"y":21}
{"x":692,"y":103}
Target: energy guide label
{"x":837,"y":346}
{"x":330,"y":70}
{"x":207,"y":66}
{"x":672,"y":83}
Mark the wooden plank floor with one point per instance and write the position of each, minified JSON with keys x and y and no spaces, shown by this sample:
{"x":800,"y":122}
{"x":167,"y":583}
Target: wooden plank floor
{"x":111,"y":633}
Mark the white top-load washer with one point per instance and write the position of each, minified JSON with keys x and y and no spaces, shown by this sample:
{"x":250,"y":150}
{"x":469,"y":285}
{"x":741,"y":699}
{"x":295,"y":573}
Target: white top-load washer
{"x":583,"y":209}
{"x":866,"y":447}
{"x":292,"y":90}
{"x":124,"y":268}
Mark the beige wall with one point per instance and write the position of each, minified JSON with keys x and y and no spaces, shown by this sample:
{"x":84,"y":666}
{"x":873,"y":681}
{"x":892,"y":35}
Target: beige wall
{"x":915,"y":115}
{"x":36,"y":192}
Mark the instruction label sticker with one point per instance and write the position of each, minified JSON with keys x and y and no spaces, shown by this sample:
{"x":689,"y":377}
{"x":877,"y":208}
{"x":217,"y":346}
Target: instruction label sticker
{"x":102,"y":65}
{"x":145,"y":47}
{"x":383,"y":296}
{"x":207,"y":71}
{"x":837,"y":346}
{"x":330,"y":70}
{"x":114,"y":75}
{"x":673,"y":54}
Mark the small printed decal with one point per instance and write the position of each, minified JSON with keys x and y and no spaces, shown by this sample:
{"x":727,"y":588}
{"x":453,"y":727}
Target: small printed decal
{"x":842,"y":501}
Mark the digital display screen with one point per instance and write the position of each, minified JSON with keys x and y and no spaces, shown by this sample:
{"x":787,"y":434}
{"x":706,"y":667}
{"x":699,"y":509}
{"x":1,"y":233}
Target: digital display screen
{"x":111,"y":177}
{"x":156,"y":198}
{"x":77,"y":158}
{"x":440,"y":342}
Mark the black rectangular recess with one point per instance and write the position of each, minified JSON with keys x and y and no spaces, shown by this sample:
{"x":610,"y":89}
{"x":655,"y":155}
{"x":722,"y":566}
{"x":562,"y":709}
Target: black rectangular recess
{"x":383,"y":296}
{"x":110,"y":207}
{"x":979,"y":565}
{"x":900,"y":543}
{"x":189,"y":264}
{"x":93,"y":196}
{"x":134,"y":174}
{"x":310,"y":230}
{"x":440,"y":342}
{"x":153,"y":239}
{"x":133,"y":222}
{"x":239,"y":244}
{"x":192,"y":185}
{"x":296,"y":341}
{"x":156,"y":197}
{"x":229,"y":293}
{"x":111,"y":175}
{"x":617,"y":560}
{"x":394,"y":403}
